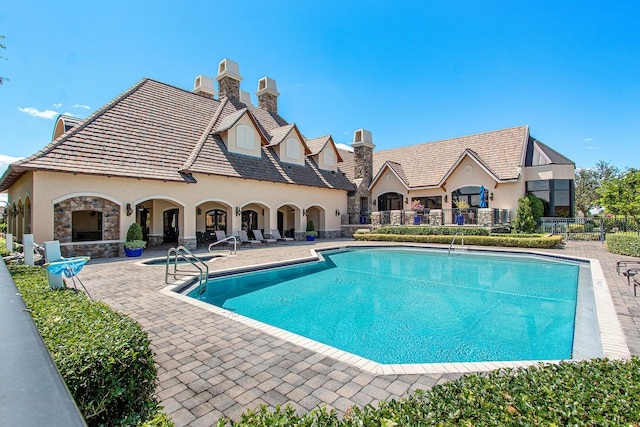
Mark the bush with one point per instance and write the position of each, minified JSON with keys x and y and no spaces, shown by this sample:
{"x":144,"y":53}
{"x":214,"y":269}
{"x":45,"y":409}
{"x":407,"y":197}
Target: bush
{"x":103,"y":356}
{"x":623,"y":243}
{"x":524,"y":221}
{"x":537,"y":207}
{"x":134,"y":232}
{"x":508,"y":240}
{"x":586,"y":393}
{"x":429,"y":230}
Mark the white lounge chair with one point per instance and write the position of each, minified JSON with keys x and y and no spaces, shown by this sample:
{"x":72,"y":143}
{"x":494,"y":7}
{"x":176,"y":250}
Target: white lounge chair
{"x":244,"y":239}
{"x":276,"y":235}
{"x":258,"y":235}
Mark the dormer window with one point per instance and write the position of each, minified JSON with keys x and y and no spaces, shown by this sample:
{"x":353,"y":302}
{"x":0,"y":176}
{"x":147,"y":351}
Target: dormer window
{"x":329,"y":157}
{"x":292,"y":148}
{"x":245,"y":137}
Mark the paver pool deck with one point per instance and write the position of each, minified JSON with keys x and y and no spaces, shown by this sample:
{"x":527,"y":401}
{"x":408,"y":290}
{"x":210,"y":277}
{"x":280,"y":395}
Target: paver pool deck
{"x":210,"y":366}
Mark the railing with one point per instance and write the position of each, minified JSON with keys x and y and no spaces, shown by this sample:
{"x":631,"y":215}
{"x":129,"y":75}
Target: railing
{"x":454,"y":240}
{"x":461,"y":216}
{"x":590,"y":228}
{"x":185,"y":254}
{"x":228,"y":239}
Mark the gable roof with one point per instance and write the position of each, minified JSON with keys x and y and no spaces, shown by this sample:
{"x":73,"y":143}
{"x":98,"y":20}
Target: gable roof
{"x":426,"y":165}
{"x":553,"y":156}
{"x":157,"y":131}
{"x":316,"y":145}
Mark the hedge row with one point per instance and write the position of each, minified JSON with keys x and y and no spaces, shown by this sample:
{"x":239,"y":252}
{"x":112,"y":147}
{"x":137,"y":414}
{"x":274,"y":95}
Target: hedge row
{"x":507,"y":240}
{"x":623,"y":243}
{"x":103,"y":356}
{"x":428,"y":230}
{"x":587,"y":393}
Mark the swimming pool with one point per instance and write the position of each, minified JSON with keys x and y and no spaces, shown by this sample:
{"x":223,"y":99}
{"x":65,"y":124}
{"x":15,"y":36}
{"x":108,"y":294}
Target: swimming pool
{"x":409,"y":306}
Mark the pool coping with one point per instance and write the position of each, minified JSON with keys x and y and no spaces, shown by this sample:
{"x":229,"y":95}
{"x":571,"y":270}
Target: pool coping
{"x":612,"y":338}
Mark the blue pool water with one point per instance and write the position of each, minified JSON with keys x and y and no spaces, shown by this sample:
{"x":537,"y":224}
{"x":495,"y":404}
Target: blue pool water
{"x":415,"y":306}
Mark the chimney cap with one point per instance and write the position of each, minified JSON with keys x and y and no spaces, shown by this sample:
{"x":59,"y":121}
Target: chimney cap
{"x":245,"y":97}
{"x":362,"y":137}
{"x":204,"y":84}
{"x":228,"y":68}
{"x":267,"y":85}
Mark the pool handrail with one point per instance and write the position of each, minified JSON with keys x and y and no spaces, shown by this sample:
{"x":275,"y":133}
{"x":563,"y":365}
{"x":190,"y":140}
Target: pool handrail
{"x":454,"y":240}
{"x":227,"y":239}
{"x":187,"y":255}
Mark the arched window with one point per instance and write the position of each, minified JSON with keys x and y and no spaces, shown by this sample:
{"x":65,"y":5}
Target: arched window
{"x":249,"y":220}
{"x":470,"y":194}
{"x":390,"y":202}
{"x":292,"y":148}
{"x":329,"y":157}
{"x":245,"y":137}
{"x":216,"y":220}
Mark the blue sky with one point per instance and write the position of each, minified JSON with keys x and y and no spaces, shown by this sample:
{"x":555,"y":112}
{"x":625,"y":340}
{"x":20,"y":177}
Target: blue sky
{"x":410,"y":72}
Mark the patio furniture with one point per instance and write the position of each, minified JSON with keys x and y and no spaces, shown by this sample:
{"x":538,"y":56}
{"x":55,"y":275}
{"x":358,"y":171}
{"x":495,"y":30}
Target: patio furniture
{"x":625,"y":263}
{"x":276,"y":235}
{"x":258,"y":236}
{"x":635,"y":285}
{"x":631,"y":272}
{"x":244,"y":239}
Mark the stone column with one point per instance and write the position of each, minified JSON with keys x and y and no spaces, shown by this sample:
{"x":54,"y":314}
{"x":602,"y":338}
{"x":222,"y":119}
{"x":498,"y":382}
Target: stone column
{"x":396,"y":217}
{"x":375,"y":220}
{"x":436,"y":217}
{"x":485,"y":217}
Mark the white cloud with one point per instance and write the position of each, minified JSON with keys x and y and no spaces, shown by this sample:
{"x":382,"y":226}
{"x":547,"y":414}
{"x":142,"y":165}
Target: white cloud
{"x":344,"y":146}
{"x":57,"y":105}
{"x":591,"y":147}
{"x":86,"y":107}
{"x":66,"y":113}
{"x":47,"y":114}
{"x":587,"y":139}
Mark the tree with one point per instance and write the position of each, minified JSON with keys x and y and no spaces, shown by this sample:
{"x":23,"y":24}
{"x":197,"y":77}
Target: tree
{"x":524,"y":222}
{"x":621,"y":195}
{"x":587,"y":182}
{"x":537,"y":207}
{"x":2,"y":46}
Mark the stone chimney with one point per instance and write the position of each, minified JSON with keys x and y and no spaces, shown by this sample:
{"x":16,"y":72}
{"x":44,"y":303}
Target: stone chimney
{"x":203,"y":86}
{"x":228,"y":79}
{"x":363,"y":155}
{"x":267,"y":95}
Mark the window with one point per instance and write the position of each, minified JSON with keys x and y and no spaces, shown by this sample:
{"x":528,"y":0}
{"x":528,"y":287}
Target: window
{"x":329,"y":157}
{"x":430,"y":202}
{"x":245,"y":137}
{"x":216,"y":219}
{"x":86,"y":226}
{"x":390,"y":202}
{"x":556,"y":195}
{"x":292,"y":148}
{"x":470,"y":194}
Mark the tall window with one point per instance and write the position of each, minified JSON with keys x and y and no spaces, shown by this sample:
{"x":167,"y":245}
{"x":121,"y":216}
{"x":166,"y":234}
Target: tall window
{"x":216,"y":220}
{"x":470,"y":194}
{"x":556,"y":194}
{"x":292,"y":148}
{"x":329,"y":157}
{"x":86,"y":226}
{"x":390,"y":202}
{"x":245,"y":136}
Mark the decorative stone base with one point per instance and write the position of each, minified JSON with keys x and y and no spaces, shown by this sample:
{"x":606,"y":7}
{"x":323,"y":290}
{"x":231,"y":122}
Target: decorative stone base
{"x":349,"y":230}
{"x":94,"y":250}
{"x":188,"y":242}
{"x":329,"y":234}
{"x":154,"y":240}
{"x":436,"y":217}
{"x":300,"y":236}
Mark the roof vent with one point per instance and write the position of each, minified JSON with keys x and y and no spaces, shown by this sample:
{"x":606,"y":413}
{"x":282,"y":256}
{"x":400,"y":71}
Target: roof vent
{"x":228,"y":79}
{"x":203,"y":86}
{"x":267,"y":95}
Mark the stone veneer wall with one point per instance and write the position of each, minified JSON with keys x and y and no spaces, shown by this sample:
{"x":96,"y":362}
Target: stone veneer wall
{"x":228,"y":87}
{"x":189,"y":243}
{"x":110,"y":226}
{"x":269,"y":102}
{"x":329,"y":234}
{"x":436,"y":217}
{"x":349,"y":230}
{"x":363,"y":174}
{"x":485,"y":217}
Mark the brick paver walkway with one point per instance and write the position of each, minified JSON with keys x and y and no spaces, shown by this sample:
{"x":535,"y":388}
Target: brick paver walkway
{"x":211,"y":367}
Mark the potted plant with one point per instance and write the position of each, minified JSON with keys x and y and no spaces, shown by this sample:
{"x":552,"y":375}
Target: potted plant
{"x":461,"y":205}
{"x":311,"y":232}
{"x":134,"y":244}
{"x":416,"y":206}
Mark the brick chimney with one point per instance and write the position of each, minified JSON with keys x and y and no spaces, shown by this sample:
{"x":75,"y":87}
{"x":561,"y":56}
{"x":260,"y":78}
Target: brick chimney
{"x":363,"y":155}
{"x":228,"y":79}
{"x":203,"y":86}
{"x":267,"y":95}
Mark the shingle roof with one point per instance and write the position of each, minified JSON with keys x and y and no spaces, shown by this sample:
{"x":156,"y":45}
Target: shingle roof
{"x":555,"y":157}
{"x":157,"y":131}
{"x":501,"y":151}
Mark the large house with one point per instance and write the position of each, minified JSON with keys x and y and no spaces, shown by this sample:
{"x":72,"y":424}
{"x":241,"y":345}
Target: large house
{"x":183,"y":164}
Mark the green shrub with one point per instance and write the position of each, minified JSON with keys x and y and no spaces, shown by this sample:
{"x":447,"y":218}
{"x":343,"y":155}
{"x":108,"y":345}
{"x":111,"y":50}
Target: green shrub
{"x":507,"y":240}
{"x":586,"y":393}
{"x":134,"y":232}
{"x":429,"y":230}
{"x":524,"y":221}
{"x":623,"y":243}
{"x":537,"y":207}
{"x":103,"y":356}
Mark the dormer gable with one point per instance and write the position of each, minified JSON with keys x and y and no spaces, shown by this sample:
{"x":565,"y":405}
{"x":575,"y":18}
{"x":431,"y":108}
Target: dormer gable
{"x":241,"y":134}
{"x":325,"y":153}
{"x":289,"y":144}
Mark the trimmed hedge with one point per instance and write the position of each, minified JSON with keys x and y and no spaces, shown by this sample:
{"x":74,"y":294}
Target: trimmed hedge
{"x":599,"y":392}
{"x":429,"y":230}
{"x":103,"y":356}
{"x":508,"y":240}
{"x":623,"y":243}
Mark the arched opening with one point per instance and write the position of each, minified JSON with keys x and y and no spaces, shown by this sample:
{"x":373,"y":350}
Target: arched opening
{"x":390,"y":202}
{"x":216,"y":219}
{"x":317,"y":215}
{"x":171,"y":228}
{"x":249,"y":221}
{"x":288,"y":218}
{"x":469,"y":194}
{"x":27,"y":216}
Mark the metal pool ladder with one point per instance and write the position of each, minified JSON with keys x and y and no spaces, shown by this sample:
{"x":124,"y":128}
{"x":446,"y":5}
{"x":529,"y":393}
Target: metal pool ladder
{"x":462,"y":248}
{"x":182,"y":253}
{"x":229,"y":240}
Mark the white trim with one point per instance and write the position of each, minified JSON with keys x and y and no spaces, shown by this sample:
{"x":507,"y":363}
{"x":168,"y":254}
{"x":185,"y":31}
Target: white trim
{"x":289,"y":204}
{"x":147,"y":198}
{"x":224,"y":202}
{"x":379,"y":175}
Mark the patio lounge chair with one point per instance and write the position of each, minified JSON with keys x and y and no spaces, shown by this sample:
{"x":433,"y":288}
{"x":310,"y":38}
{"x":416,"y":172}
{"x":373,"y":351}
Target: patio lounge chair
{"x":220,"y":236}
{"x":620,"y":265}
{"x":244,"y":239}
{"x":258,"y":235}
{"x":276,"y":235}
